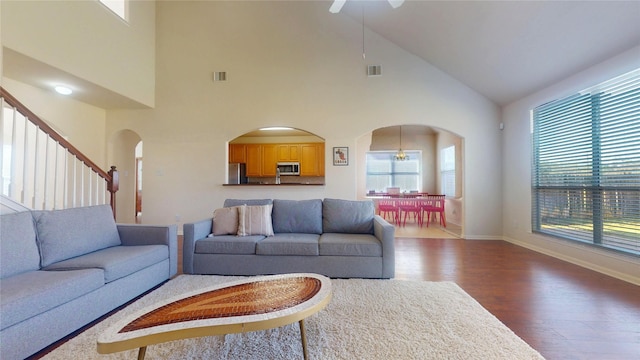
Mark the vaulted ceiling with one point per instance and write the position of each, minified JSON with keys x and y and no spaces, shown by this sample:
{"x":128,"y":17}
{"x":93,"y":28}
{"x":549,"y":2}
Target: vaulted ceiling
{"x":506,"y":50}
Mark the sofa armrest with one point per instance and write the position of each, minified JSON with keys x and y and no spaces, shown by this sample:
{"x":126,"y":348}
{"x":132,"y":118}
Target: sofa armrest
{"x":193,"y":232}
{"x":385,"y":232}
{"x":135,"y":234}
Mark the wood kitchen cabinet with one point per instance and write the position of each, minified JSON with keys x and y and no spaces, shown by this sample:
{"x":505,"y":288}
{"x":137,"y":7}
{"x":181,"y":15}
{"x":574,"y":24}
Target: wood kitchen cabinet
{"x":289,"y":152}
{"x":261,"y":159}
{"x":237,"y":153}
{"x":320,"y":159}
{"x":312,"y":159}
{"x":254,"y":159}
{"x":269,"y":159}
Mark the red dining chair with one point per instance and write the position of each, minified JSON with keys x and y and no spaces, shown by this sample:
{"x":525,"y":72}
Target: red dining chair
{"x":389,"y":206}
{"x":407,"y":207}
{"x":432,"y":205}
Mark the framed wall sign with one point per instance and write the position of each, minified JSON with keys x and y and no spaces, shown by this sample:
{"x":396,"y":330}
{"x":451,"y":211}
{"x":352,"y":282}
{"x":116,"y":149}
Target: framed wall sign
{"x":341,"y":156}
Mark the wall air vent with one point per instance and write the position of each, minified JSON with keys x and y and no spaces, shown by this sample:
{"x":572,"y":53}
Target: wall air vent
{"x":374,"y":70}
{"x":220,"y":76}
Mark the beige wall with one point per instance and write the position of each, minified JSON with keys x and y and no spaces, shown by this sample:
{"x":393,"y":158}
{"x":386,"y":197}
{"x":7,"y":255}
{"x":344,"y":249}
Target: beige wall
{"x":311,"y":78}
{"x":290,"y":64}
{"x":517,"y":174}
{"x":87,"y":40}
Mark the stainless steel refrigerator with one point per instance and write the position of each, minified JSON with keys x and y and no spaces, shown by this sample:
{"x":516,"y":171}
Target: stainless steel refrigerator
{"x":238,"y":173}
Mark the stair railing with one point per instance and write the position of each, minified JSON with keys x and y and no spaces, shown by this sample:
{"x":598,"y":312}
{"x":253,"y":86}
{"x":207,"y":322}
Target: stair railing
{"x":41,"y":170}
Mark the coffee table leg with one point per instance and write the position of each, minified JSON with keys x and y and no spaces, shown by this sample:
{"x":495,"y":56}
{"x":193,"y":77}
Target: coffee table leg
{"x":303,"y":335}
{"x":141,"y":352}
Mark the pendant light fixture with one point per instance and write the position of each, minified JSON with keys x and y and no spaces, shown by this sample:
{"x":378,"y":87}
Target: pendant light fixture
{"x":400,"y":155}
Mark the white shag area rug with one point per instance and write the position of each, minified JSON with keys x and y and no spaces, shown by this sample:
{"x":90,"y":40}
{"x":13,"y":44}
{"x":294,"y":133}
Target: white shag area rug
{"x":366,"y":319}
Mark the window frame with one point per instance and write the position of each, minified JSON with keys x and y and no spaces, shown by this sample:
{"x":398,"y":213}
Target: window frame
{"x":585,"y":183}
{"x":448,"y":171}
{"x":414,"y":155}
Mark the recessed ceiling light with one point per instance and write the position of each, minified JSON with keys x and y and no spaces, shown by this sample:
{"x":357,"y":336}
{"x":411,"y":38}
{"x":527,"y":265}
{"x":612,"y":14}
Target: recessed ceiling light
{"x":272,"y":128}
{"x":63,"y":90}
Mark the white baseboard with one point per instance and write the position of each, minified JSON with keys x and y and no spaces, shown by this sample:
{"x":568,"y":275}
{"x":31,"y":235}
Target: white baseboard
{"x":570,"y":259}
{"x":483,"y":237}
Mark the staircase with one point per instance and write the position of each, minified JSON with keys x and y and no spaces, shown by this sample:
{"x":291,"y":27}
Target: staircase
{"x":41,"y":170}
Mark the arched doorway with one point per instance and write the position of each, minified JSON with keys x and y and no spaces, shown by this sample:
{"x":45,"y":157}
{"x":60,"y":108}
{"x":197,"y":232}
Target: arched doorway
{"x":435,"y":166}
{"x":122,"y":153}
{"x":138,"y":208}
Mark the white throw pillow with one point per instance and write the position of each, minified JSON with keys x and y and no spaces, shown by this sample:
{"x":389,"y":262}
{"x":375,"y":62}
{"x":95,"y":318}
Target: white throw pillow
{"x":255,"y":220}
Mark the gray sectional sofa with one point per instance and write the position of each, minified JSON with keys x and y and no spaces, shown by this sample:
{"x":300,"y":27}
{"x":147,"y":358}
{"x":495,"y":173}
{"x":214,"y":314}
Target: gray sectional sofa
{"x":332,"y":237}
{"x":62,"y":269}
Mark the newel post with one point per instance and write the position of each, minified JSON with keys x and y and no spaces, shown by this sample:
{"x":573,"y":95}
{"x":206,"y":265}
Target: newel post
{"x":112,"y":187}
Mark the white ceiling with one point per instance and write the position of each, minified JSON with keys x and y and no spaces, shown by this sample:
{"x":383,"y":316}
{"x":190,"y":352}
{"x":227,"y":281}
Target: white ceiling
{"x":506,"y":50}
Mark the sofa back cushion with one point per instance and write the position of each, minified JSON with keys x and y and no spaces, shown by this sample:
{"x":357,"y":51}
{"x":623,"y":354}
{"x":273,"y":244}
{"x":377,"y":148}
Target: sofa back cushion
{"x":240,"y":202}
{"x":297,"y":216}
{"x":63,"y":234}
{"x":347,"y":216}
{"x":18,"y":250}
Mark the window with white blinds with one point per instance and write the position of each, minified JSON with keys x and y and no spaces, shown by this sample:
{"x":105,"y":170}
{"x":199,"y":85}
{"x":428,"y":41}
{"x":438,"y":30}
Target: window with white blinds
{"x":384,"y":171}
{"x":586,"y":165}
{"x":448,"y":170}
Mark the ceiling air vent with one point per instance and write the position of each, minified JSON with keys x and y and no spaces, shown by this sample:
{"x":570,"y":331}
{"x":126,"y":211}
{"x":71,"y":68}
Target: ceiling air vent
{"x":220,"y":76}
{"x":374,"y":70}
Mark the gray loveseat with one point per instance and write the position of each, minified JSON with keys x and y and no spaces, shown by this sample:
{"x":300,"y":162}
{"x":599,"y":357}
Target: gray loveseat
{"x":62,"y":269}
{"x":332,"y":237}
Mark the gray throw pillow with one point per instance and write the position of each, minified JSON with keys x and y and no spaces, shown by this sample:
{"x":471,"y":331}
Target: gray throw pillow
{"x":297,"y":216}
{"x":347,"y":216}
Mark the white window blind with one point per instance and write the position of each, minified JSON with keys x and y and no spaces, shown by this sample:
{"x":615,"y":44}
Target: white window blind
{"x":384,"y":171}
{"x":586,"y":165}
{"x":448,"y":170}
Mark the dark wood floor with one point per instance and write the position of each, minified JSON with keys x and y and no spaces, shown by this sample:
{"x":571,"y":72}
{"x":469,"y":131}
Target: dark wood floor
{"x":562,"y":310}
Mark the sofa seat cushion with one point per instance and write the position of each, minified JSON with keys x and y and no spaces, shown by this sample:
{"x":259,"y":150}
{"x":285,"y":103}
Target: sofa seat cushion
{"x":228,"y":244}
{"x":297,"y":216}
{"x":29,"y":294}
{"x":116,"y":262}
{"x":65,"y":234}
{"x":289,"y":244}
{"x":19,"y":250}
{"x":349,"y":245}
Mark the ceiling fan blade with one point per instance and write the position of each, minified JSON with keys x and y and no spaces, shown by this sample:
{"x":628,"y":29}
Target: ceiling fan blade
{"x":337,"y":5}
{"x":395,"y":3}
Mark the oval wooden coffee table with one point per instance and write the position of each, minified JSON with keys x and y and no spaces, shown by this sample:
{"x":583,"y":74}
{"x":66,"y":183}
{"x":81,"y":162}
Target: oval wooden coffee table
{"x":251,"y":304}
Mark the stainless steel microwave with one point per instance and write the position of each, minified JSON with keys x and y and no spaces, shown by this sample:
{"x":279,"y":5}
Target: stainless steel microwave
{"x":289,"y":168}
